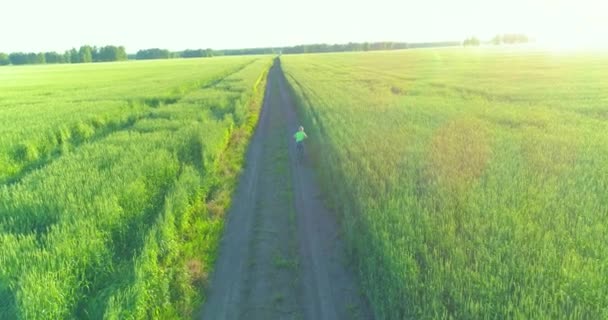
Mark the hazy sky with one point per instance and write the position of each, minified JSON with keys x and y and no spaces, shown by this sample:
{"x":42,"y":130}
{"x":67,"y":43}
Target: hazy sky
{"x":41,"y":25}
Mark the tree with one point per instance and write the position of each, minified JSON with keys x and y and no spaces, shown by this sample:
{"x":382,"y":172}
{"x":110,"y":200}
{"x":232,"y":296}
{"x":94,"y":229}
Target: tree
{"x":514,"y":38}
{"x":95,"y":54}
{"x":154,"y":53}
{"x":4,"y":60}
{"x":40,"y":58}
{"x":35,"y":58}
{"x":472,"y":41}
{"x":53,"y":57}
{"x":67,"y":58}
{"x":85,"y":54}
{"x":354,"y":46}
{"x":121,"y":54}
{"x":111,"y":53}
{"x":18,"y":58}
{"x":198,"y":53}
{"x":74,"y":56}
{"x":192,"y":53}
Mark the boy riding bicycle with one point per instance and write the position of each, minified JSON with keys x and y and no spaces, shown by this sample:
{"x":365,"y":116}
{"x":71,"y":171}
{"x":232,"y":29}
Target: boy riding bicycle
{"x":299,"y":137}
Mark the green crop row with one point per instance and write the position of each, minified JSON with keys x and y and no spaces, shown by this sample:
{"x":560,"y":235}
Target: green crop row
{"x":471,"y":183}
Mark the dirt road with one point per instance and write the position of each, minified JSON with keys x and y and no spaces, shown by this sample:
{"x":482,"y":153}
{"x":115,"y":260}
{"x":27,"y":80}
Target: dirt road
{"x":281,"y":256}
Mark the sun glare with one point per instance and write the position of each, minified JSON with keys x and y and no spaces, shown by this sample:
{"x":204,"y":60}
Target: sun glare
{"x":571,"y":25}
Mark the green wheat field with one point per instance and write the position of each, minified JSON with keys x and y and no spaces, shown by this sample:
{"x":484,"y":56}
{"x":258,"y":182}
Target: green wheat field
{"x":469,"y":183}
{"x":114,"y":179}
{"x":472,"y":183}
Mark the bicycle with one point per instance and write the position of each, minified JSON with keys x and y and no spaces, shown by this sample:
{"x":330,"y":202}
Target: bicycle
{"x":300,"y":152}
{"x":300,"y":136}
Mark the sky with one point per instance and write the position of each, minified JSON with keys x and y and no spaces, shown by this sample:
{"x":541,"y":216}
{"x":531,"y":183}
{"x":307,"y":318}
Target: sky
{"x":42,"y":25}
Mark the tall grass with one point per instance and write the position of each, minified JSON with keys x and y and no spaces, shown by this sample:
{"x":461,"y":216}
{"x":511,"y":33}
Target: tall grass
{"x":45,"y":110}
{"x":119,"y":224}
{"x":472,"y":183}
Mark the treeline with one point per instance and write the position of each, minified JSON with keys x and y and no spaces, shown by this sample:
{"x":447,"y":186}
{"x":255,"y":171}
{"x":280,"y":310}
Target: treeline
{"x":507,"y":38}
{"x":472,"y":41}
{"x":366,"y":46}
{"x":113,"y":53}
{"x":153,"y":54}
{"x":351,"y":46}
{"x":157,"y":53}
{"x":324,"y":48}
{"x":83,"y":55}
{"x":510,"y":38}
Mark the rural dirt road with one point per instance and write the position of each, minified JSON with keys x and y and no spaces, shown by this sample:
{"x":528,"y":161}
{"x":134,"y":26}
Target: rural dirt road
{"x":281,"y":256}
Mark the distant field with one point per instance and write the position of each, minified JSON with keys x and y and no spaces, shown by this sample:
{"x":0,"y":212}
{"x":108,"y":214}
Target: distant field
{"x":472,"y":184}
{"x":112,"y":179}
